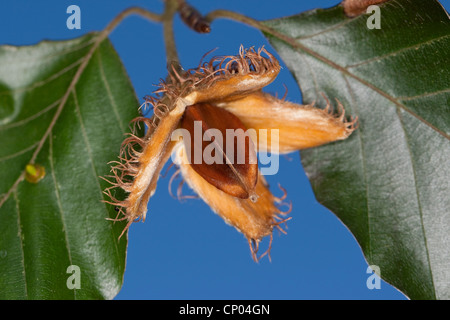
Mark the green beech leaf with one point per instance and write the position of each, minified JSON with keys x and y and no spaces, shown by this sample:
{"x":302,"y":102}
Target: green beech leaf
{"x":55,"y":241}
{"x":389,"y":182}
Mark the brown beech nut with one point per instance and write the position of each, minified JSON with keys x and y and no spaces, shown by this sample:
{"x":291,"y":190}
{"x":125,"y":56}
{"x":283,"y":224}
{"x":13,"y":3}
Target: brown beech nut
{"x":233,"y":170}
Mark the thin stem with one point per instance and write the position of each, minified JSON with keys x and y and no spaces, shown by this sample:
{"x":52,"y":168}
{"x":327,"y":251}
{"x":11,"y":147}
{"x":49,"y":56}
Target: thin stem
{"x":170,"y":9}
{"x":247,"y":20}
{"x":132,"y":10}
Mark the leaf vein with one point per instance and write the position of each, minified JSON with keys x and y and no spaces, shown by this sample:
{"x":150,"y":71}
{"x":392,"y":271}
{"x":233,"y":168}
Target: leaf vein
{"x":45,"y":81}
{"x":58,"y":201}
{"x":18,"y":153}
{"x":19,"y":227}
{"x":418,"y":198}
{"x":427,"y":94}
{"x":332,"y":28}
{"x":110,"y":96}
{"x":364,"y":167}
{"x":91,"y":160}
{"x":32,"y":117}
{"x":414,"y":47}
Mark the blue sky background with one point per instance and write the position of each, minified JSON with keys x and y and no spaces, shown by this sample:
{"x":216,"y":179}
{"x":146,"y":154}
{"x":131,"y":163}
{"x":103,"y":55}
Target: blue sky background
{"x":184,"y":250}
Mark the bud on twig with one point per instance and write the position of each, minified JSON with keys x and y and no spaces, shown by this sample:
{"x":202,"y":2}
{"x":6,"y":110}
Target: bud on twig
{"x":193,"y":18}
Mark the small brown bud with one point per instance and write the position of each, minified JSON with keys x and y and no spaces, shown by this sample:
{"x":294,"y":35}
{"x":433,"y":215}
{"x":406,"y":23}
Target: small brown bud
{"x":353,"y":8}
{"x":34,"y":173}
{"x":193,"y":18}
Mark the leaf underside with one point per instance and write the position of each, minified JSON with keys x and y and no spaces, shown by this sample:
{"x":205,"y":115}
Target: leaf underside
{"x":389,"y":182}
{"x":61,"y":220}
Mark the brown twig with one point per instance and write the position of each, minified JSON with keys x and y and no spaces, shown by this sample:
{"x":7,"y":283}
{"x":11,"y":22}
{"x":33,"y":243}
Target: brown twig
{"x":171,"y":7}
